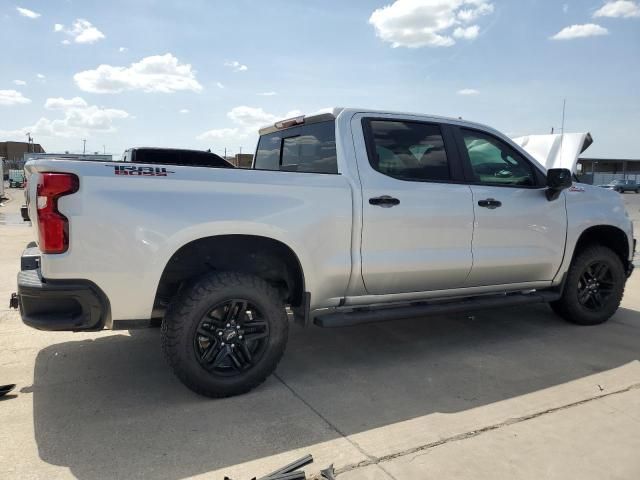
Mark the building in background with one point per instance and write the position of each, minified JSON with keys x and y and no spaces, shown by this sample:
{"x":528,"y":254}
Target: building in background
{"x":599,"y":171}
{"x":13,"y":153}
{"x":241,"y":160}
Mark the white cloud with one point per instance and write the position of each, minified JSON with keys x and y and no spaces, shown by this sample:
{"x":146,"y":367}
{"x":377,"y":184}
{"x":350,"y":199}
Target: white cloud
{"x":79,"y":120}
{"x":66,"y":42}
{"x":12,"y":97}
{"x":40,"y":76}
{"x":267,"y":94}
{"x":25,"y":12}
{"x":236,"y":66}
{"x":250,"y":117}
{"x":431,"y":23}
{"x":123,"y":49}
{"x":19,"y":82}
{"x":219,"y":134}
{"x":580,"y":31}
{"x":565,"y":7}
{"x":158,"y":73}
{"x":60,"y":103}
{"x":468,"y":91}
{"x":468,"y":33}
{"x":219,"y":85}
{"x":247,"y":120}
{"x":619,"y":8}
{"x":184,"y":110}
{"x":82,"y":31}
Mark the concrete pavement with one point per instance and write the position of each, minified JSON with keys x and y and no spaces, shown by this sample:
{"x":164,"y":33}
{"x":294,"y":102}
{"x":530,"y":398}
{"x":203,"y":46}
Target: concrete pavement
{"x":511,"y":393}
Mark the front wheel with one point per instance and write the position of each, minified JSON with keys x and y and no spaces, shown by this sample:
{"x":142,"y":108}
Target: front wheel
{"x":225,"y":333}
{"x":593,"y":288}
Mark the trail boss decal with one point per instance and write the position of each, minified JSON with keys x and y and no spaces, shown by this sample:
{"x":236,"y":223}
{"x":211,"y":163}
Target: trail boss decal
{"x":135,"y":171}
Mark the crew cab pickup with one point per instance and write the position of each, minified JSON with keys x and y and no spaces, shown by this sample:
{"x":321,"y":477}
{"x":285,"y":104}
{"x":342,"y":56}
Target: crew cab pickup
{"x":346,"y":217}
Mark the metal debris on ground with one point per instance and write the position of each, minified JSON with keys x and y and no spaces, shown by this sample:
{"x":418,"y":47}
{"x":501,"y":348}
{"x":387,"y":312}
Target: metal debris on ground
{"x":288,"y":472}
{"x":4,"y":389}
{"x":328,"y":473}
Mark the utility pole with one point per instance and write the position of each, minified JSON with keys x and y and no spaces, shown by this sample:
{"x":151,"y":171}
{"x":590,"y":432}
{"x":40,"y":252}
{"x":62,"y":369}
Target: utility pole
{"x":84,"y":145}
{"x":225,"y":153}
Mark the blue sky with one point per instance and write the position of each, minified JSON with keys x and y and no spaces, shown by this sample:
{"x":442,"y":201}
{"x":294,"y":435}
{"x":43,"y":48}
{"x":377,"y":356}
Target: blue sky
{"x":208,"y":73}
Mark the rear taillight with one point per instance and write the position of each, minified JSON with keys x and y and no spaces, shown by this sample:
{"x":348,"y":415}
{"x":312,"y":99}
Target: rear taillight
{"x":52,"y":225}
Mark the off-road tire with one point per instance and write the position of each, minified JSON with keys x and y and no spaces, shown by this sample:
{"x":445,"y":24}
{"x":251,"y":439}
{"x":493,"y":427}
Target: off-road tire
{"x":570,"y":308}
{"x":188,"y":308}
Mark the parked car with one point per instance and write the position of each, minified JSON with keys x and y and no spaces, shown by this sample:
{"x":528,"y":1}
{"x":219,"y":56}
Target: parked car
{"x":16,"y":178}
{"x":174,"y":156}
{"x":622,"y":186}
{"x":347,"y":217}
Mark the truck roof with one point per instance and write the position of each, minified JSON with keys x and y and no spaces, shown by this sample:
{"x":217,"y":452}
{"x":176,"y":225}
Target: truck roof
{"x":334,"y":112}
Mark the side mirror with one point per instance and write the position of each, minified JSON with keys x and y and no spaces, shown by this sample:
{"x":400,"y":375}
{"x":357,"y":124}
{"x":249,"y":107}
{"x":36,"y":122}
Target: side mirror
{"x":557,"y":180}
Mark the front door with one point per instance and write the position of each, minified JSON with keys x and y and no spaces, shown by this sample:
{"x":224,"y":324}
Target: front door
{"x":519,"y":235}
{"x":417,"y":213}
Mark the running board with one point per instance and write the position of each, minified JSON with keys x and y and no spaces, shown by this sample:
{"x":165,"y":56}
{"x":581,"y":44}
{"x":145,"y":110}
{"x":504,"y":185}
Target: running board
{"x":360,"y":316}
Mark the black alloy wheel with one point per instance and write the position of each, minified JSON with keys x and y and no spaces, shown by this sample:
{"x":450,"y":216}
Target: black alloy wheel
{"x":596,"y":286}
{"x":593,"y":287}
{"x":231,"y":337}
{"x":224,"y":333}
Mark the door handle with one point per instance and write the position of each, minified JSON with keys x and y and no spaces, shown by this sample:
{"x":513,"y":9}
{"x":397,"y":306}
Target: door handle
{"x":490,"y":203}
{"x":385,"y":201}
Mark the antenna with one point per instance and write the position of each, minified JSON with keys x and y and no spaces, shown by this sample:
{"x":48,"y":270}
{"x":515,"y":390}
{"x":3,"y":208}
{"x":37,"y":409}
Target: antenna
{"x":564,"y":107}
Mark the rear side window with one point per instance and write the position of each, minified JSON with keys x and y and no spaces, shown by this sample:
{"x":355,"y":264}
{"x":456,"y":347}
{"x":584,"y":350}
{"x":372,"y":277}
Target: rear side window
{"x":308,"y":148}
{"x":408,"y":150}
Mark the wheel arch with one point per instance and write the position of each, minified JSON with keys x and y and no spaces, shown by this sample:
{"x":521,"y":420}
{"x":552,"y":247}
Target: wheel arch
{"x":265,"y":257}
{"x":607,"y":235}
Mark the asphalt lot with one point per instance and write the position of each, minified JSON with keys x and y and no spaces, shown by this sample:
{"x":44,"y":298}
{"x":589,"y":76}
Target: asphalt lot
{"x":511,"y":393}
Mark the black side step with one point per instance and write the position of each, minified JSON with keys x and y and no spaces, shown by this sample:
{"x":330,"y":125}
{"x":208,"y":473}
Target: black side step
{"x":358,"y":317}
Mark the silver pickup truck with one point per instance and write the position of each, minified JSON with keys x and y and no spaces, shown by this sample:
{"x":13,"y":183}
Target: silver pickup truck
{"x":347,"y":217}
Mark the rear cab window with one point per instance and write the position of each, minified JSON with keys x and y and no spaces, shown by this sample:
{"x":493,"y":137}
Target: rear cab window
{"x":305,"y":148}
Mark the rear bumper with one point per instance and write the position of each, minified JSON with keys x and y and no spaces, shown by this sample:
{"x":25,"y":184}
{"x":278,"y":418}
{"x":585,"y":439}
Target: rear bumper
{"x":76,"y":305}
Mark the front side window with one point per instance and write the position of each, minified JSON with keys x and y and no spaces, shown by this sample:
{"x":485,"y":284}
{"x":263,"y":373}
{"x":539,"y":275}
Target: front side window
{"x":408,"y":150}
{"x":494,"y":162}
{"x":308,"y":148}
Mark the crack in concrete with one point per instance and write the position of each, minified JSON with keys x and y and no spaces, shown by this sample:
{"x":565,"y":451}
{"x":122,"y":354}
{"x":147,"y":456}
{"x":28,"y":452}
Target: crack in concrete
{"x":323,"y":418}
{"x":474,"y":433}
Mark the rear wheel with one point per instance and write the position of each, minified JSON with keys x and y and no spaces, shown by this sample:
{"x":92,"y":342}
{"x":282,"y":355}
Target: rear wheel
{"x":225,"y":334}
{"x":594,"y":287}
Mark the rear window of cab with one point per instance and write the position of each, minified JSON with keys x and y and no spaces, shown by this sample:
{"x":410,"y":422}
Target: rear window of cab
{"x":306,"y":148}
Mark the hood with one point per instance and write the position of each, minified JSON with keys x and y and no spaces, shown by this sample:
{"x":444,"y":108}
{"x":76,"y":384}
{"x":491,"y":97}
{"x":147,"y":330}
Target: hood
{"x":556,"y":150}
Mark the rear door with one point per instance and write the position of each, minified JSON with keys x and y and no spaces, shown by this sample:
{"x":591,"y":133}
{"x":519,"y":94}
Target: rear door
{"x":519,"y":235}
{"x":417,"y":211}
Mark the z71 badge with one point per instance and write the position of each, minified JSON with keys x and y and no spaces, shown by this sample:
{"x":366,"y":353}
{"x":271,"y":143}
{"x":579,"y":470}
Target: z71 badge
{"x":135,"y":171}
